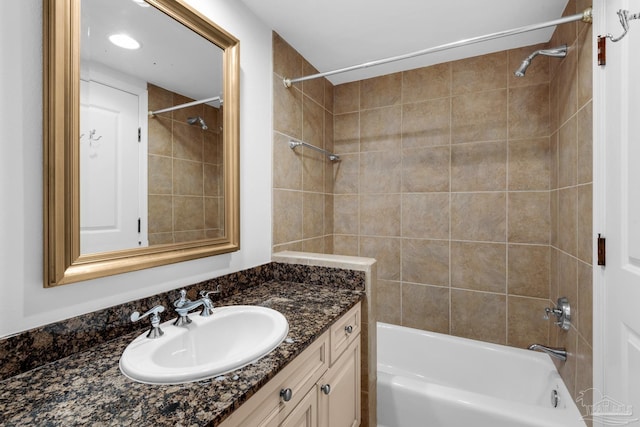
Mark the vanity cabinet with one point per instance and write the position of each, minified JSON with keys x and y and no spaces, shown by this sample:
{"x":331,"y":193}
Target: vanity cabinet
{"x":319,"y":388}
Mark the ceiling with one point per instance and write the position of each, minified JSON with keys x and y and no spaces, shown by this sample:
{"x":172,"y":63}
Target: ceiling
{"x":171,"y":56}
{"x":334,"y":34}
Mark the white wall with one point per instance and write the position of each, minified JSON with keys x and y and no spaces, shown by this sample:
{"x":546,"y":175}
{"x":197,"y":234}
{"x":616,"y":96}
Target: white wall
{"x":24,"y":303}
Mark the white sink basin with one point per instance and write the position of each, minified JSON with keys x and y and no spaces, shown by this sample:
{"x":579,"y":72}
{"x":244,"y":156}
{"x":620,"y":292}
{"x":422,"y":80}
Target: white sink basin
{"x":230,"y":338}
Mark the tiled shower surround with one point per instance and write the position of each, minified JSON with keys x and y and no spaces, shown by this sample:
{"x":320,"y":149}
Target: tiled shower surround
{"x":185,"y":166}
{"x":471,"y":187}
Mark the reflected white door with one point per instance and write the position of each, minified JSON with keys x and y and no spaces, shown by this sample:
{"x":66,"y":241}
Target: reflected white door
{"x":618,"y":88}
{"x":109,"y":169}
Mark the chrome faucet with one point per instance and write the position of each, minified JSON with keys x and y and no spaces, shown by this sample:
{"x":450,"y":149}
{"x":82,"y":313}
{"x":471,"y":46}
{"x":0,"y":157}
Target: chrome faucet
{"x":557,"y":352}
{"x":184,"y":305}
{"x":155,"y":331}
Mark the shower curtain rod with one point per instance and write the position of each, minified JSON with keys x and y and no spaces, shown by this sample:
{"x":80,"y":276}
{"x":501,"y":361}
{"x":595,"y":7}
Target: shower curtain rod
{"x":185,"y":105}
{"x":585,"y":16}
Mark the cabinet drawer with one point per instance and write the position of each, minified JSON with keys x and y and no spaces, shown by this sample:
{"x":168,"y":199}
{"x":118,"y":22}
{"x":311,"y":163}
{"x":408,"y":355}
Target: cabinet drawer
{"x":344,"y":331}
{"x":299,"y":376}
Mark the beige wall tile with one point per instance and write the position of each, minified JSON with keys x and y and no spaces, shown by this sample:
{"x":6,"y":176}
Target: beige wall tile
{"x":426,"y":169}
{"x":287,"y":164}
{"x":479,"y":116}
{"x":345,"y":245}
{"x":529,"y":163}
{"x":584,"y":373}
{"x":160,"y":98}
{"x":381,"y":91}
{"x":568,"y":153}
{"x":425,"y":261}
{"x":187,"y":142}
{"x":553,"y":161}
{"x":347,"y":133}
{"x":380,"y":172}
{"x":388,"y":304}
{"x":567,"y":220}
{"x":386,"y":251}
{"x":426,"y":123}
{"x":478,"y":216}
{"x":160,"y":238}
{"x":479,"y":315}
{"x":585,"y":302}
{"x":328,"y":215}
{"x":160,"y":136}
{"x":287,"y":208}
{"x":380,"y":215}
{"x":425,"y":215}
{"x":479,"y":73}
{"x":213,"y":180}
{"x":479,"y":166}
{"x":188,"y":178}
{"x":568,"y":340}
{"x":479,"y":266}
{"x":585,"y":223}
{"x":526,"y":323}
{"x":286,"y":61}
{"x":329,"y":95}
{"x":160,"y":214}
{"x":380,"y":129}
{"x":160,"y":175}
{"x":346,"y":98}
{"x":567,"y":33}
{"x":585,"y":66}
{"x":346,"y":214}
{"x":567,"y":86}
{"x":312,"y":122}
{"x":529,"y":270}
{"x":568,"y":282}
{"x":312,"y":215}
{"x":213,"y":151}
{"x":188,"y":236}
{"x":287,"y":109}
{"x":315,"y":245}
{"x":346,"y":174}
{"x":314,"y":88}
{"x":529,"y":217}
{"x":585,"y":144}
{"x":553,"y":217}
{"x":426,"y":83}
{"x":313,"y":167}
{"x":212,"y":217}
{"x":529,"y":111}
{"x":188,"y":213}
{"x":181,"y":115}
{"x":425,"y":307}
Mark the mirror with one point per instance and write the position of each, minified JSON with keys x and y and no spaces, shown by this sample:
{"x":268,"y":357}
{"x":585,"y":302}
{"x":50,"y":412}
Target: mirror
{"x":141,"y":145}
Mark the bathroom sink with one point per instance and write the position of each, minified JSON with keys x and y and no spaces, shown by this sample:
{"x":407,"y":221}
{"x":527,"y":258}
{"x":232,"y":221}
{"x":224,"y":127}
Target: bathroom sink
{"x":230,"y":338}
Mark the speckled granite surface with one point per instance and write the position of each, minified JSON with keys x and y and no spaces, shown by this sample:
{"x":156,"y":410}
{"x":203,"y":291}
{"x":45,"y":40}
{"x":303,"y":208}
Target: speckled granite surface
{"x":87,"y":388}
{"x":36,"y":347}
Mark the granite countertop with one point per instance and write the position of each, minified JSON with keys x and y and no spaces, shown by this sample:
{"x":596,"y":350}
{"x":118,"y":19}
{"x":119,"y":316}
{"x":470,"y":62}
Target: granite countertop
{"x":88,"y":388}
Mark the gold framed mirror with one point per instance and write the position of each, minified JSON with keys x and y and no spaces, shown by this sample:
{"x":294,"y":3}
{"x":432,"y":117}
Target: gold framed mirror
{"x":68,"y":257}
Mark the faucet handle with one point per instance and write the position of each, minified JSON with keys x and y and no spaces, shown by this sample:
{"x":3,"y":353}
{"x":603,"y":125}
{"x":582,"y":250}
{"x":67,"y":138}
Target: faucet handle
{"x":205,"y":294}
{"x":155,"y":331}
{"x":182,"y":300}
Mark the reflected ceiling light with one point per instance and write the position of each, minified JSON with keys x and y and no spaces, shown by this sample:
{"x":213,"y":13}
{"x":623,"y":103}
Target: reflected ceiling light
{"x":141,"y":3}
{"x":124,"y":41}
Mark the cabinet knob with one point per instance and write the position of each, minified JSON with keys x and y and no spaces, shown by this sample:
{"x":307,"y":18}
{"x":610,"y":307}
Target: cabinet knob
{"x":326,"y":388}
{"x":286,"y":394}
{"x":348,"y":329}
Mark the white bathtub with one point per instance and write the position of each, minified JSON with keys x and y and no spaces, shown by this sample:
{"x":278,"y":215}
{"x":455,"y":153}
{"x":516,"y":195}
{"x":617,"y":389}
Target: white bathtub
{"x":435,"y":380}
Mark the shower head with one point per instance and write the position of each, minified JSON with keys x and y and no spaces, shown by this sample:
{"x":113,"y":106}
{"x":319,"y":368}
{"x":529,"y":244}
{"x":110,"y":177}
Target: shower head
{"x":197,"y":121}
{"x":556,"y":52}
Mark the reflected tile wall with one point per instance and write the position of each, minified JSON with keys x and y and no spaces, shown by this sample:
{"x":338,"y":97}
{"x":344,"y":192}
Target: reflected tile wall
{"x":185,"y":164}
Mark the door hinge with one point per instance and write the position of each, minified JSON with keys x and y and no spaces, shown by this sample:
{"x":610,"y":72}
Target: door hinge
{"x":139,"y":225}
{"x":602,"y":50}
{"x":602,"y":250}
{"x":139,"y":134}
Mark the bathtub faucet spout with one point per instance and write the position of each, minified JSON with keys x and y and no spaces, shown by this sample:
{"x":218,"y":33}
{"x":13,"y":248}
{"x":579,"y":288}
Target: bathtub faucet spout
{"x":557,"y":352}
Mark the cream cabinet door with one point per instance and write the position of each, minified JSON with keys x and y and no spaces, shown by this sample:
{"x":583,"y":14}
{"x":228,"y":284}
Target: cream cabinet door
{"x":306,"y":413}
{"x":339,"y":391}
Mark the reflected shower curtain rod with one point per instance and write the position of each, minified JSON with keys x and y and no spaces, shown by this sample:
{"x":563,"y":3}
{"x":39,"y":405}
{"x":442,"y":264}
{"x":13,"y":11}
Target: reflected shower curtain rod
{"x":585,"y":16}
{"x":185,"y":105}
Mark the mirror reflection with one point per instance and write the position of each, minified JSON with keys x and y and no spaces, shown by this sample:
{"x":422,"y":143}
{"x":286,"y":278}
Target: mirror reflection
{"x":151,"y":114}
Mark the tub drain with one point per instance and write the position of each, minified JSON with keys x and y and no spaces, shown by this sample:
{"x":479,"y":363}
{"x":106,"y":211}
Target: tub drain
{"x":555,"y":399}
